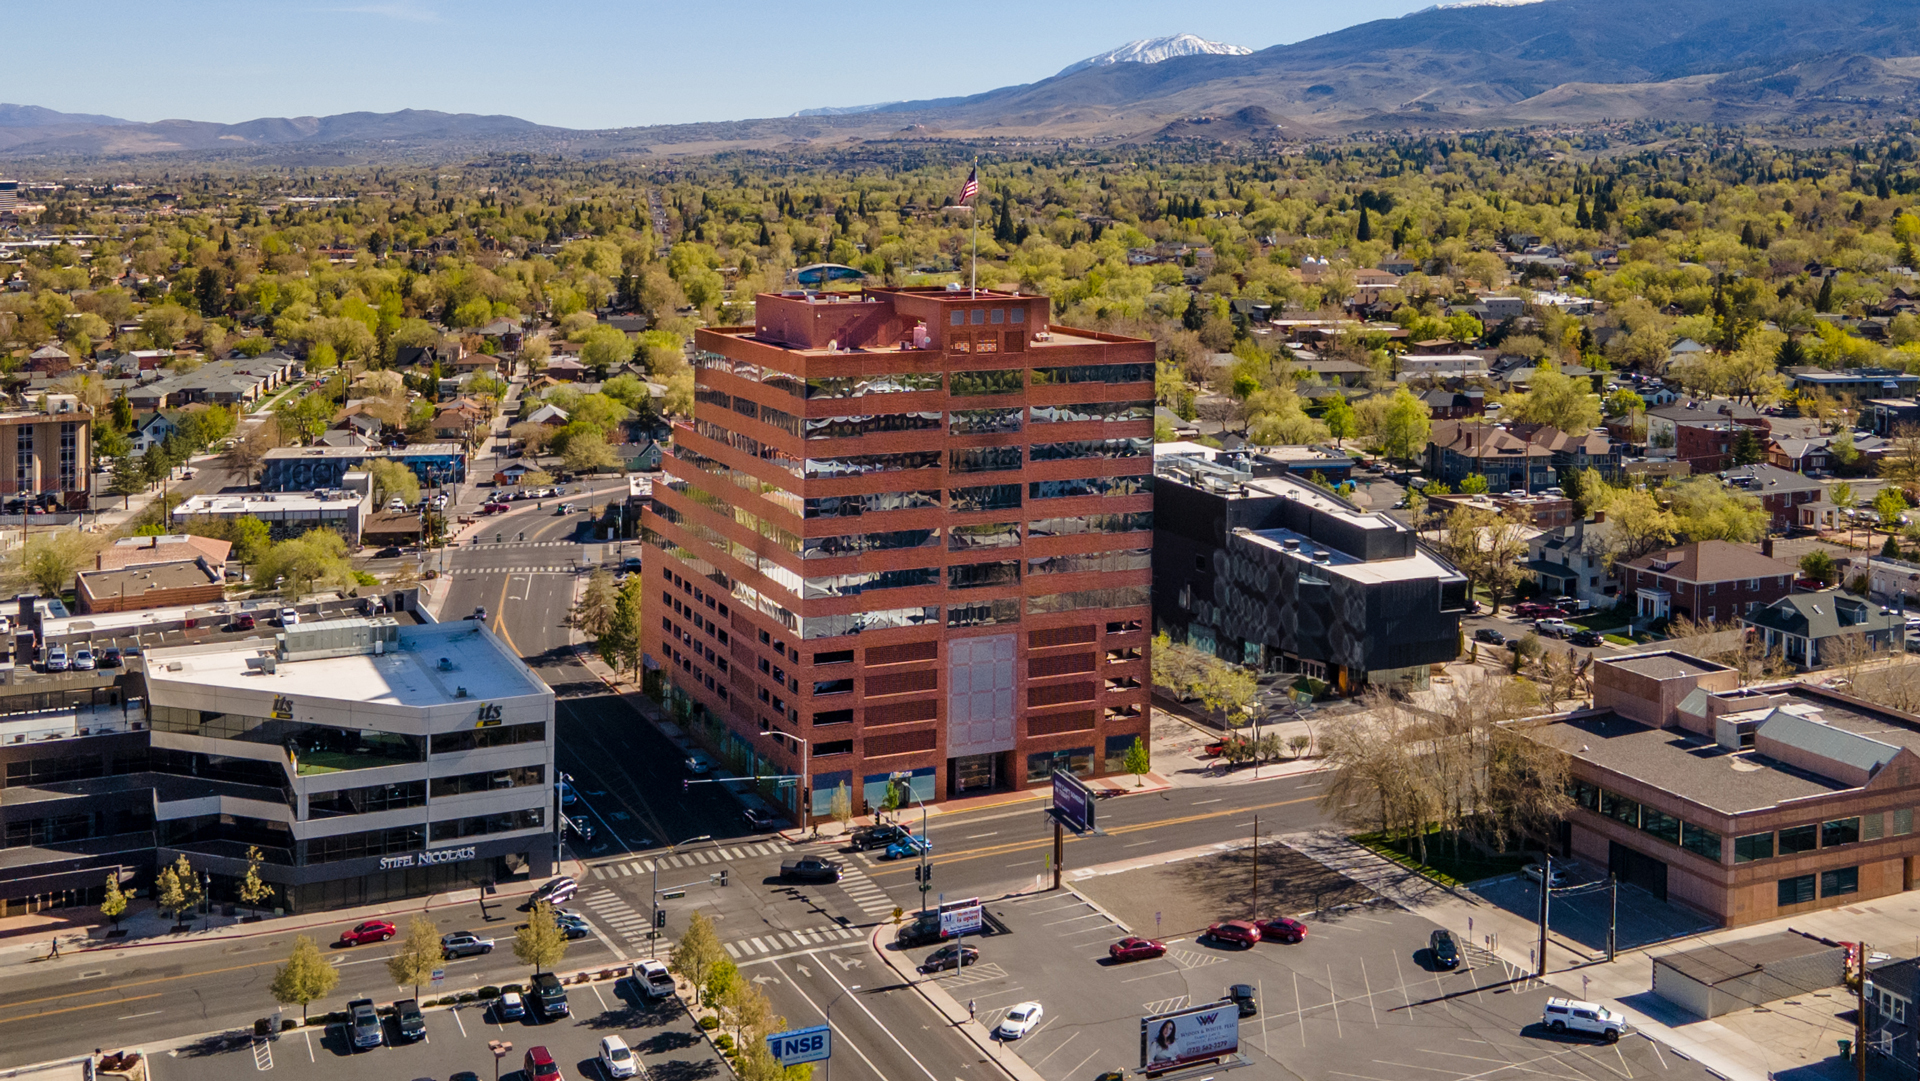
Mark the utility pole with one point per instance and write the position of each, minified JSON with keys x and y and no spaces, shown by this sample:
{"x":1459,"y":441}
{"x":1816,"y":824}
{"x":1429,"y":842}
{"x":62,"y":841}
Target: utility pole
{"x":1546,"y":876}
{"x":1059,"y":849}
{"x":1613,"y":915}
{"x":1256,"y":867}
{"x":1860,"y":1003}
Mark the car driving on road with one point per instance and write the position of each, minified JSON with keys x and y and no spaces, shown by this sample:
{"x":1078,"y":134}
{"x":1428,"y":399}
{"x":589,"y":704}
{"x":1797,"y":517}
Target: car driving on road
{"x":811,"y":869}
{"x":877,"y":836}
{"x":464,"y":944}
{"x":370,"y":931}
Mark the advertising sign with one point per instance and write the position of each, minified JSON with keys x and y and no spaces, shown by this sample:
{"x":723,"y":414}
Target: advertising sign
{"x":1072,"y":801}
{"x":960,"y":918}
{"x":1195,"y":1034}
{"x":802,"y":1045}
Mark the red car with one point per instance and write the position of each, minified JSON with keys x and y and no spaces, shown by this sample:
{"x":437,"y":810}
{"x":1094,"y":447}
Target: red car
{"x":1282,"y":929}
{"x":1243,"y":932}
{"x":370,"y":931}
{"x":1136,"y":949}
{"x":1537,"y":610}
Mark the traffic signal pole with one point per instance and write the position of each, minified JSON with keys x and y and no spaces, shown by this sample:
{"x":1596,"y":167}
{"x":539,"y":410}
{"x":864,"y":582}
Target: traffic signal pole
{"x":1059,"y":850}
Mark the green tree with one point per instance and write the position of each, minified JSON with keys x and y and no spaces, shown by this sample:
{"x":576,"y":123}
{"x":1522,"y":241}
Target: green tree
{"x":393,"y":480}
{"x":1406,"y":426}
{"x":1339,"y":419}
{"x":841,"y":807}
{"x":1705,"y":509}
{"x":1557,"y":400}
{"x":314,"y":559}
{"x":113,"y":904}
{"x":50,"y":560}
{"x":1747,"y":447}
{"x":1890,"y":503}
{"x":1473,"y":484}
{"x":306,"y":978}
{"x":122,"y":414}
{"x":721,"y":979}
{"x":588,"y":452}
{"x":594,"y":614}
{"x":169,"y":895}
{"x":413,"y":961}
{"x":1138,"y":761}
{"x":539,"y":942}
{"x":254,"y":892}
{"x":698,"y":951}
{"x":620,"y":645}
{"x":1819,"y":566}
{"x":605,"y":348}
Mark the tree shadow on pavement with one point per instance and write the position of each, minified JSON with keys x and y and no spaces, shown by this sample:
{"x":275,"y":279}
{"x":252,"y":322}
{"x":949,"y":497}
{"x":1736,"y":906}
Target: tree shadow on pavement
{"x":684,"y":1070}
{"x":219,"y":1043}
{"x":1184,"y":897}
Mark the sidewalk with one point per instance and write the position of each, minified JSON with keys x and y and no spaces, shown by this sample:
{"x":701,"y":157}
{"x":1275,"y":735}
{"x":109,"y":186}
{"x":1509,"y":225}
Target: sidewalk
{"x":146,"y":927}
{"x":955,"y":1014}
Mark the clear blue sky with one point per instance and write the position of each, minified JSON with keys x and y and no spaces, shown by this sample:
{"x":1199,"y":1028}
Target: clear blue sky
{"x":586,"y":63}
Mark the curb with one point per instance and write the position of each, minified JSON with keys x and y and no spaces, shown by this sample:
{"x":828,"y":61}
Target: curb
{"x":952,"y":1012}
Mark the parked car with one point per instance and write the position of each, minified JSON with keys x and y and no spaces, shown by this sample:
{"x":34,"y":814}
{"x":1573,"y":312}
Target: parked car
{"x":1555,"y":628}
{"x":538,"y":1065}
{"x":407,"y":1021}
{"x":951,"y":955}
{"x":370,"y":931}
{"x":56,"y":660}
{"x":1571,"y":1015}
{"x":811,"y":869}
{"x":243,"y":621}
{"x":396,"y":504}
{"x":1586,"y":639}
{"x":289,"y":617}
{"x":1136,"y":949}
{"x":1537,"y":610}
{"x":493,"y":508}
{"x":1557,"y":880}
{"x":1282,"y":929}
{"x":549,"y":998}
{"x":616,"y":1058}
{"x":907,"y":847}
{"x":1490,"y":636}
{"x":1241,"y":995}
{"x":759,"y":819}
{"x":1444,"y":949}
{"x":1020,"y":1020}
{"x":509,"y":1006}
{"x":464,"y":944}
{"x":111,"y":658}
{"x":922,"y":930}
{"x":878,"y":836}
{"x":652,"y":979}
{"x":83,"y":660}
{"x":363,"y":1022}
{"x":1235,"y":932}
{"x":697,"y":765}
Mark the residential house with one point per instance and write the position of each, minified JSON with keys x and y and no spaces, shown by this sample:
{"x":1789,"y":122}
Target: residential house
{"x":151,"y":431}
{"x":49,"y":358}
{"x":1707,"y":446}
{"x":1573,"y":453}
{"x":646,"y":457}
{"x":133,"y":551}
{"x":1663,"y":421}
{"x":1345,"y":373}
{"x":1801,"y":455}
{"x":1813,"y":630}
{"x":1456,"y":404}
{"x":1457,"y":449}
{"x":565,"y":369}
{"x":1575,"y":560}
{"x":550,"y":415}
{"x":1707,"y":581}
{"x":1779,"y":491}
{"x":1428,"y":365}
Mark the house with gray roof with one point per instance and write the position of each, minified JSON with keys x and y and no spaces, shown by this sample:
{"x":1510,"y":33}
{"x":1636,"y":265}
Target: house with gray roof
{"x":1810,"y":629}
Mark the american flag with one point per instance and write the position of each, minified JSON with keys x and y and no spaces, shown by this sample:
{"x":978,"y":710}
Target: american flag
{"x":972,"y":187}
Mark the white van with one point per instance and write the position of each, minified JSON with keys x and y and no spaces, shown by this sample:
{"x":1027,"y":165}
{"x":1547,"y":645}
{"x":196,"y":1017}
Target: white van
{"x":1570,"y":1015}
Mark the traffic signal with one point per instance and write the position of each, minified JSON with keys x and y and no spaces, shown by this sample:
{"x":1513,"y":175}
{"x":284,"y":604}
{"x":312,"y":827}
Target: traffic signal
{"x":660,"y":918}
{"x":686,"y":785}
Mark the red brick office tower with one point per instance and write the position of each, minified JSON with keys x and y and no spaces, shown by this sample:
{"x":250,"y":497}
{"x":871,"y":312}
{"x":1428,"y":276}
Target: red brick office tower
{"x":912,"y":528}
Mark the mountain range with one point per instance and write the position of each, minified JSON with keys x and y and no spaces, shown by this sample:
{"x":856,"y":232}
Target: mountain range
{"x":1491,"y":63}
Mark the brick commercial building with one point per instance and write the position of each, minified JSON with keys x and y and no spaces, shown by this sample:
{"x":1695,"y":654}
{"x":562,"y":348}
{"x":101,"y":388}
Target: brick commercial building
{"x":150,"y":585}
{"x":908,"y":531}
{"x":1744,"y":803}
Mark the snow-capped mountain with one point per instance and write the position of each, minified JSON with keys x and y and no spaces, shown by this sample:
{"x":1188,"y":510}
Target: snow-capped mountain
{"x":1154,"y":50}
{"x":1478,"y":4}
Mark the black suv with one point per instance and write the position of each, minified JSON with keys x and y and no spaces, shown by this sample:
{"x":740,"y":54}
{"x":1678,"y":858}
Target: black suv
{"x":1444,"y":948}
{"x":1241,"y":995}
{"x":407,"y":1020}
{"x":549,"y":998}
{"x":878,"y":836}
{"x":922,"y":930}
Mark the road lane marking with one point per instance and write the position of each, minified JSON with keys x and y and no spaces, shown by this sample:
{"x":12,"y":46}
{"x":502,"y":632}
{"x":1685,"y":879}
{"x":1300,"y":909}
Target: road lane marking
{"x":883,"y":1028}
{"x":89,"y":1006}
{"x":977,"y":836}
{"x":841,"y":1036}
{"x":131,"y":1016}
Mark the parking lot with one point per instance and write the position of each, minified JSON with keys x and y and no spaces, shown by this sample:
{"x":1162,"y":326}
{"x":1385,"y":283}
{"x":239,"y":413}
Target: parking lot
{"x":1357,"y":999}
{"x":662,"y":1036}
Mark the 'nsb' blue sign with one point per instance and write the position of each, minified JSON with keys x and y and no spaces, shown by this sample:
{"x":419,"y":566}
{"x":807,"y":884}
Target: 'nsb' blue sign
{"x":802,"y":1045}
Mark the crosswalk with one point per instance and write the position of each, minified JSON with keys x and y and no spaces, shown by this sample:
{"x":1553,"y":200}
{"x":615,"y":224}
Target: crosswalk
{"x":484,"y":546}
{"x":555,"y":568}
{"x":715,"y":856}
{"x":871,"y":898}
{"x":777,"y":941}
{"x":614,"y":913}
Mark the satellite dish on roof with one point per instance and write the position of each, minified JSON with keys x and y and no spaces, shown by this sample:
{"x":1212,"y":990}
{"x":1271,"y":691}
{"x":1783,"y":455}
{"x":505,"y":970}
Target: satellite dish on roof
{"x":818,"y":274}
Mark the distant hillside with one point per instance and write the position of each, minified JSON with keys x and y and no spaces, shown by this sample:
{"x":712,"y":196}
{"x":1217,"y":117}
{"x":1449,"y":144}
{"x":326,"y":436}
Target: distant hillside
{"x":1461,"y":65}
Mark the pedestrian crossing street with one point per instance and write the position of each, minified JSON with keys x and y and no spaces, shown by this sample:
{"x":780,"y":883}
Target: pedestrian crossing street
{"x":777,"y":941}
{"x":549,"y":569}
{"x":630,"y":868}
{"x":871,"y":898}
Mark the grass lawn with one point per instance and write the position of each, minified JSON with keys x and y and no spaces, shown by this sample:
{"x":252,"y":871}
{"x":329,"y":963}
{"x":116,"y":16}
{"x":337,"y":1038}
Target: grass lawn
{"x":1441,"y":866}
{"x":1620,"y":640}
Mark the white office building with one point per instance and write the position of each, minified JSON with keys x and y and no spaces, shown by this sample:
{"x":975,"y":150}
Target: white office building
{"x":366,"y":760}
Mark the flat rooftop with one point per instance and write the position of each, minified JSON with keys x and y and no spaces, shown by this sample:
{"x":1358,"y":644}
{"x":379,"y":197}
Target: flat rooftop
{"x":1741,"y":957}
{"x":280,"y":504}
{"x":411,"y":450}
{"x":409,"y":676}
{"x":1665,"y":665}
{"x":1677,"y":761}
{"x":1418,"y":566}
{"x":135,"y":581}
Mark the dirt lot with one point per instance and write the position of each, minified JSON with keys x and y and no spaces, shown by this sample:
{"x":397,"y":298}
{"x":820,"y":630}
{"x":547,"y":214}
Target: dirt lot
{"x":1188,"y":895}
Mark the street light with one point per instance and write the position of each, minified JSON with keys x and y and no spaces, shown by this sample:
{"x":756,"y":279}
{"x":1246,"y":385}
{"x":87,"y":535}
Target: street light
{"x":501,"y":1049}
{"x":926,"y":882}
{"x":826,"y":1071}
{"x":653,"y":931}
{"x":806,"y":776}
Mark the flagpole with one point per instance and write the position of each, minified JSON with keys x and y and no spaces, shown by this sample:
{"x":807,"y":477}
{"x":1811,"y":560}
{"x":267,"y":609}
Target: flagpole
{"x":973,"y":284}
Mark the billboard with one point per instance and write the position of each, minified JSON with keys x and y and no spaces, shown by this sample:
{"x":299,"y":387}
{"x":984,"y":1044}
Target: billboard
{"x":1072,"y":801}
{"x":1195,"y":1034}
{"x":802,"y":1045}
{"x":960,"y":917}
